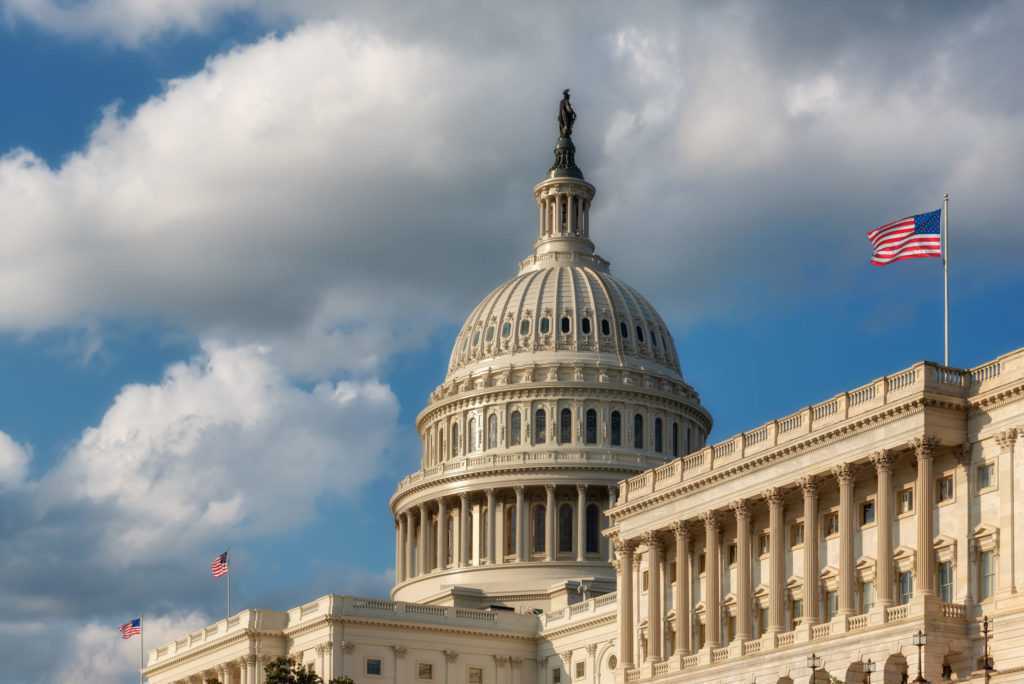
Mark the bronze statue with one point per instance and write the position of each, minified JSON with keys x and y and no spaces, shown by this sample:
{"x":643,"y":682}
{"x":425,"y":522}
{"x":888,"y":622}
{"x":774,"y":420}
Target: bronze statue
{"x":566,"y":115}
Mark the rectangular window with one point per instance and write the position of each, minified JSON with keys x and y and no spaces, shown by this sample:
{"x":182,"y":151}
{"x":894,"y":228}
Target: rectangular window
{"x":985,"y":476}
{"x":796,"y":611}
{"x":905,"y":500}
{"x":701,"y":560}
{"x":702,"y":634}
{"x":906,"y":586}
{"x":424,"y":670}
{"x":732,"y":554}
{"x":763,"y":544}
{"x":944,"y":489}
{"x":373,"y":667}
{"x":730,"y":628}
{"x":796,"y":534}
{"x":556,"y":676}
{"x":986,"y":575}
{"x":867,"y":513}
{"x":763,"y":613}
{"x":831,"y":605}
{"x":945,"y":572}
{"x":475,"y":675}
{"x":672,"y":572}
{"x":830,"y":524}
{"x":644,"y":581}
{"x":581,"y":670}
{"x":867,"y":596}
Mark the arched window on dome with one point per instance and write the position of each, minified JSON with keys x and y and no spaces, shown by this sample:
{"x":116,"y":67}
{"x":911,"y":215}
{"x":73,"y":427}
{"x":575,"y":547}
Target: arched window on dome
{"x":565,"y":427}
{"x":591,"y":427}
{"x":489,"y":335}
{"x":593,"y":529}
{"x":585,"y":326}
{"x":539,"y":514}
{"x":492,"y":432}
{"x":654,"y":340}
{"x":440,"y":443}
{"x":616,"y":428}
{"x":566,"y":325}
{"x":658,"y":438}
{"x":506,"y":329}
{"x":606,"y":327}
{"x":524,"y":327}
{"x":638,"y":431}
{"x":515,"y":428}
{"x":510,"y":529}
{"x":675,"y":439}
{"x":545,"y":325}
{"x":455,"y":440}
{"x":540,"y":426}
{"x":639,"y":334}
{"x":624,"y":330}
{"x":565,"y":528}
{"x":471,"y":436}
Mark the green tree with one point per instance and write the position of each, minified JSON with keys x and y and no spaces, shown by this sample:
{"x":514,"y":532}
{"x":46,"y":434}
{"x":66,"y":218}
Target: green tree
{"x":287,"y":671}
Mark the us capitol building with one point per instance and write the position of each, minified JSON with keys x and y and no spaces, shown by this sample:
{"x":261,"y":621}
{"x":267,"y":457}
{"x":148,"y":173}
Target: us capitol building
{"x":569,"y":524}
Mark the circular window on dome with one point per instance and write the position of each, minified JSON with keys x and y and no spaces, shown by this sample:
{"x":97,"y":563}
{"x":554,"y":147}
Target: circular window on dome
{"x":524,"y":327}
{"x":623,"y":330}
{"x":566,"y":325}
{"x":489,"y":335}
{"x":606,"y":327}
{"x":506,"y":329}
{"x":545,"y":325}
{"x":585,"y":326}
{"x":639,"y":334}
{"x":613,"y":663}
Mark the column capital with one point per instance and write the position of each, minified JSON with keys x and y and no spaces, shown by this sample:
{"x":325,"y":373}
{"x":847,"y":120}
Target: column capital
{"x":423,"y":507}
{"x":581,"y":488}
{"x":1007,"y":438}
{"x":924,"y":447}
{"x":843,"y":472}
{"x":450,"y":656}
{"x":464,"y":497}
{"x":591,"y":649}
{"x":519,"y":489}
{"x":681,"y":528}
{"x":399,"y":651}
{"x":741,"y":508}
{"x":711,"y":521}
{"x":625,"y":546}
{"x":809,"y":485}
{"x":652,"y":539}
{"x":882,"y":459}
{"x":550,"y":488}
{"x":773,"y":495}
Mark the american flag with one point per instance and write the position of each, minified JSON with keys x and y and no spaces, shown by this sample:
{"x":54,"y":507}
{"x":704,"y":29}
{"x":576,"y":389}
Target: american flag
{"x":219,"y":566}
{"x":914,"y":237}
{"x":130,"y":629}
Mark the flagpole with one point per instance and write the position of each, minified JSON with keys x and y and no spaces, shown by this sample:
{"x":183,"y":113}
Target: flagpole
{"x":229,"y":581}
{"x":142,"y":648}
{"x":945,"y":273}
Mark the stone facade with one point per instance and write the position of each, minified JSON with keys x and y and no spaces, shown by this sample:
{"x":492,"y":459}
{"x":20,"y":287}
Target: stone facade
{"x":569,"y":524}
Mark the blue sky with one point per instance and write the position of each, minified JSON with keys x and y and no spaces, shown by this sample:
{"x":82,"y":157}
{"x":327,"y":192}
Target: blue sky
{"x":242,"y":236}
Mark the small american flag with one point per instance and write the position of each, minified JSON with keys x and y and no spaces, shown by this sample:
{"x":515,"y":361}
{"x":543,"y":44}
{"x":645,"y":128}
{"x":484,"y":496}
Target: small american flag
{"x":914,"y":237}
{"x":130,"y":629}
{"x":219,"y":566}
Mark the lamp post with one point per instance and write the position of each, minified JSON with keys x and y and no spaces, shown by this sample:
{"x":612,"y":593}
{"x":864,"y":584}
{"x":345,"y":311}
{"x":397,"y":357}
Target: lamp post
{"x":920,"y":640}
{"x":813,"y":662}
{"x":986,"y":630}
{"x":869,"y":668}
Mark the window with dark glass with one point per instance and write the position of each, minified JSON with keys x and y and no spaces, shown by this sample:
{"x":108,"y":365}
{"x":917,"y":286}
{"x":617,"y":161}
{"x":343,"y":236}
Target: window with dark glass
{"x":540,"y":427}
{"x":638,"y":431}
{"x":591,"y":427}
{"x":623,"y":330}
{"x":565,"y":427}
{"x":515,"y":428}
{"x":492,"y":431}
{"x":538,"y":528}
{"x":566,"y":326}
{"x":524,"y":327}
{"x":639,"y":334}
{"x":593,"y":529}
{"x":945,"y":572}
{"x":944,"y":489}
{"x":867,"y":513}
{"x":545,"y":325}
{"x":606,"y":327}
{"x":658,"y":446}
{"x":616,"y":428}
{"x":675,"y":439}
{"x":565,"y":528}
{"x":506,"y":329}
{"x":455,"y":440}
{"x":585,"y":326}
{"x":905,"y":583}
{"x":654,"y":339}
{"x":373,"y":666}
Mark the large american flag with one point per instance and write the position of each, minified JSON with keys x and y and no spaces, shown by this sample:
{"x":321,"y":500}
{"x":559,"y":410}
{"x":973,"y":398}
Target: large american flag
{"x":914,"y":237}
{"x":219,"y":566}
{"x":130,"y":629}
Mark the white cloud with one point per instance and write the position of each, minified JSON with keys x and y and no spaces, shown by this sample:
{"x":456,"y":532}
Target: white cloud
{"x":14,"y":460}
{"x":224,"y":445}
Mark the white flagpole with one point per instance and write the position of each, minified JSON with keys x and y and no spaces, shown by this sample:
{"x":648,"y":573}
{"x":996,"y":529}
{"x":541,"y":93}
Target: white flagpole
{"x":945,"y":272}
{"x":142,"y":649}
{"x":228,"y":558}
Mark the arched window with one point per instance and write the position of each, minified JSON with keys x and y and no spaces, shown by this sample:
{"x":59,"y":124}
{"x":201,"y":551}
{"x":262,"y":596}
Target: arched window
{"x":566,"y":325}
{"x":476,"y":338}
{"x":492,"y":431}
{"x":639,"y":334}
{"x":585,"y":326}
{"x":440,"y":443}
{"x":539,"y":514}
{"x":540,"y":426}
{"x":616,"y":428}
{"x":591,"y":427}
{"x":545,"y":325}
{"x":506,"y":329}
{"x":565,"y":427}
{"x":593,"y":529}
{"x":510,"y":529}
{"x":638,"y":431}
{"x":565,"y":528}
{"x":489,"y":335}
{"x":524,"y":327}
{"x":471,"y":436}
{"x":658,"y":444}
{"x":623,"y":330}
{"x":654,"y":340}
{"x":455,"y":440}
{"x":675,"y":439}
{"x":606,"y":327}
{"x":515,"y":429}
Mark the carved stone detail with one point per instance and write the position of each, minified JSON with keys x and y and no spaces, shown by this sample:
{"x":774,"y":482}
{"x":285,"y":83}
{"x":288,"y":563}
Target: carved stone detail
{"x":843,"y":472}
{"x":741,"y":508}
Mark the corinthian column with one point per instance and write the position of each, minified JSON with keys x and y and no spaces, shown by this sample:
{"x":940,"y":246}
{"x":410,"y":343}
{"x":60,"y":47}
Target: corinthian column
{"x":654,"y":618}
{"x":925,"y":580}
{"x":844,"y":474}
{"x":776,"y":562}
{"x":442,"y":534}
{"x":581,"y":529}
{"x":521,"y":523}
{"x":882,"y":461}
{"x":713,"y":580}
{"x":421,"y":555}
{"x":682,"y":598}
{"x":490,"y":527}
{"x":400,"y":549}
{"x":743,"y":589}
{"x":549,"y":523}
{"x":625,"y":550}
{"x":465,"y":531}
{"x":811,"y":562}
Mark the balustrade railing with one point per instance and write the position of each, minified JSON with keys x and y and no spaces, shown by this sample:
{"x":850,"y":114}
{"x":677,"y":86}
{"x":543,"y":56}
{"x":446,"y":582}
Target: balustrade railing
{"x":857,"y":622}
{"x":896,"y":613}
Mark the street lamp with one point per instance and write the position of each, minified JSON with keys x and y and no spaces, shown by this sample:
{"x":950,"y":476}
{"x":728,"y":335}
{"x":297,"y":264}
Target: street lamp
{"x":813,"y":662}
{"x":920,"y":640}
{"x":869,"y":668}
{"x":986,"y":630}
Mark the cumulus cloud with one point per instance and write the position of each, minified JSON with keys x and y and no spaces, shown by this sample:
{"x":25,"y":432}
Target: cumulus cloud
{"x":14,"y":460}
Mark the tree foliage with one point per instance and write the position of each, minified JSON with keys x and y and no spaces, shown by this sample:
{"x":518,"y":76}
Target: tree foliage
{"x":287,"y":671}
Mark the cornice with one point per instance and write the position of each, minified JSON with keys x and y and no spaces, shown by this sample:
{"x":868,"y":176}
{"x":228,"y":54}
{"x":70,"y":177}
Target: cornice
{"x":582,"y":625}
{"x":998,"y":397}
{"x":226,"y":640}
{"x":429,"y":627}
